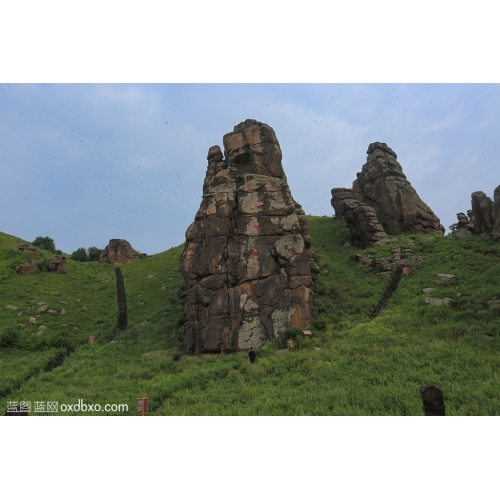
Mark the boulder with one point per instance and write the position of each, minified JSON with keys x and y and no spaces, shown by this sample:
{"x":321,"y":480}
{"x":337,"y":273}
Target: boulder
{"x":444,"y":278}
{"x":57,"y":265}
{"x":246,"y":257}
{"x":464,"y":222}
{"x":119,"y":252}
{"x":27,"y":268}
{"x":383,"y":185}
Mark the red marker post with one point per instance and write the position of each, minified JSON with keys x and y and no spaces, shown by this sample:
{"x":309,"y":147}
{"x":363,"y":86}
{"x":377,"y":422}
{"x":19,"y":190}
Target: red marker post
{"x":406,"y":271}
{"x":142,"y":405}
{"x":92,"y":339}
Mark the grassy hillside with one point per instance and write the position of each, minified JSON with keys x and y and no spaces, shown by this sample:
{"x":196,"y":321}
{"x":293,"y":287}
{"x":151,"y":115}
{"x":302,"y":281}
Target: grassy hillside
{"x":351,"y":366}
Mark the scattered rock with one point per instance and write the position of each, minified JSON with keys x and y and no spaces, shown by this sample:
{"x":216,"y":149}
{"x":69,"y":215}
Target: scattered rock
{"x":33,"y":321}
{"x":437,"y":302}
{"x":42,"y":327}
{"x":56,"y":294}
{"x":63,"y":311}
{"x":12,"y":308}
{"x":84,"y":308}
{"x":43,"y":309}
{"x":427,"y":290}
{"x":364,"y":259}
{"x":151,"y":277}
{"x":51,"y":311}
{"x":281,"y":351}
{"x":444,"y":278}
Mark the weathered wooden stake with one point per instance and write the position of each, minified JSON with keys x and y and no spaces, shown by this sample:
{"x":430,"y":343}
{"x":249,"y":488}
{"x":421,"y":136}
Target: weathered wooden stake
{"x":433,"y":400}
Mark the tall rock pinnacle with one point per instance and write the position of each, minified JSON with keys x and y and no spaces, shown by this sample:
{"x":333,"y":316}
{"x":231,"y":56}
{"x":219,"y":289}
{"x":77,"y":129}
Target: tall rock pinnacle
{"x":246,"y":258}
{"x":383,"y":185}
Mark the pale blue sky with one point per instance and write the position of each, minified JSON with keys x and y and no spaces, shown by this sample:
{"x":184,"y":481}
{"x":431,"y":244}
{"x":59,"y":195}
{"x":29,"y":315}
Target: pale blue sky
{"x":84,"y":163}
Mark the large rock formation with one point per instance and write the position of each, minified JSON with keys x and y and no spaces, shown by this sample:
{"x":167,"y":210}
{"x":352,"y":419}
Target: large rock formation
{"x":119,"y":252}
{"x":482,"y":213}
{"x":496,"y":214}
{"x":246,"y":259}
{"x":338,"y":196}
{"x":365,"y":229}
{"x":383,"y":185}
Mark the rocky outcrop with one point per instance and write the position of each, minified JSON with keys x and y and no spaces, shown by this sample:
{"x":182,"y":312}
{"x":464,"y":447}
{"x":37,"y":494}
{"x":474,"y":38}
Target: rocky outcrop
{"x":27,"y":268}
{"x":363,"y":224}
{"x":56,"y":265}
{"x":25,"y":248}
{"x":338,"y":196}
{"x":246,"y":258}
{"x":496,"y":214}
{"x":482,"y":213}
{"x":464,"y":222}
{"x":382,"y":201}
{"x":119,"y":252}
{"x":383,"y":185}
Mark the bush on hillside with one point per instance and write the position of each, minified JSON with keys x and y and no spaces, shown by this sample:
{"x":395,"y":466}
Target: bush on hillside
{"x":80,"y":255}
{"x":94,"y":253}
{"x":44,"y":242}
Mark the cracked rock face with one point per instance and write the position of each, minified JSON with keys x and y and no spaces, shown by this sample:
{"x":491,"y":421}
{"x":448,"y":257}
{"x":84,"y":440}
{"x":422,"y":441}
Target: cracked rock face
{"x":246,"y":258}
{"x":383,"y":185}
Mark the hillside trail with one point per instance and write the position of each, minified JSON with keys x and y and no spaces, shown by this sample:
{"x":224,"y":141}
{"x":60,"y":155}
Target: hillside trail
{"x":391,"y":288}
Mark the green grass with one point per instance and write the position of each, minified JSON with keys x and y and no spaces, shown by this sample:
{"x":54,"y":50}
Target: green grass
{"x":363,"y":366}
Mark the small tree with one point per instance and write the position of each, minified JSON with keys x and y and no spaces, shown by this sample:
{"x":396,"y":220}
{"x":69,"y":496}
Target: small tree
{"x":80,"y":255}
{"x":94,"y":253}
{"x":44,"y":242}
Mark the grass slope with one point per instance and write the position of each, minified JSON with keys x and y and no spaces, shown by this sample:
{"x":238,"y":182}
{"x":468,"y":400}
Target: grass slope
{"x":363,"y":367}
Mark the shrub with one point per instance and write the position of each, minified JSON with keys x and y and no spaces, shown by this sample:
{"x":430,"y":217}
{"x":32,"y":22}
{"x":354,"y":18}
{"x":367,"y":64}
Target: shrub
{"x":320,"y":323}
{"x":80,"y":255}
{"x":9,"y":338}
{"x":44,"y":242}
{"x":94,"y":253}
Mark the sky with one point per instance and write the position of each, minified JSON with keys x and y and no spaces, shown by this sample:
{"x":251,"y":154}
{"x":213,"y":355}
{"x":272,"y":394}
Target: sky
{"x":85,"y":163}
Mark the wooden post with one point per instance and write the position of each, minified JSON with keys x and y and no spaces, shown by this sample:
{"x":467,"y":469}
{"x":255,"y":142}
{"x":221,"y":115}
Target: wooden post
{"x":433,"y":400}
